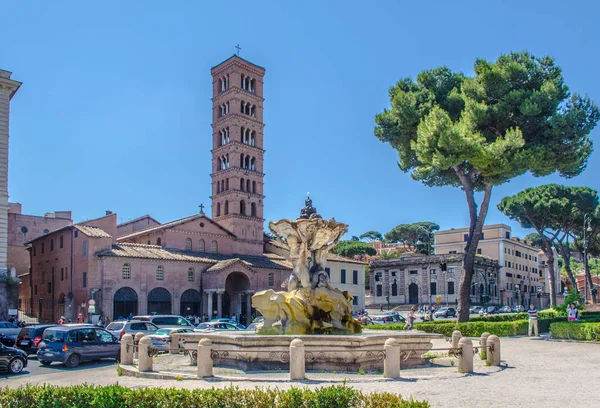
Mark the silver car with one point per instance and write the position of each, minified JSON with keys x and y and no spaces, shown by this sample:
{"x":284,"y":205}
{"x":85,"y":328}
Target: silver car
{"x":161,"y":339}
{"x":119,"y":329}
{"x":216,"y":326}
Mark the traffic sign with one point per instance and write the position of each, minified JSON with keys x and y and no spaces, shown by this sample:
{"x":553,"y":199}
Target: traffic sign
{"x":539,"y":288}
{"x":492,"y":281}
{"x":92,"y":309}
{"x":91,"y":302}
{"x":438,"y":299}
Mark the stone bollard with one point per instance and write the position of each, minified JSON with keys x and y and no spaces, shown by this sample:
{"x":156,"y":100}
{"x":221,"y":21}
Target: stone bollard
{"x":127,"y":349}
{"x":204,"y":360}
{"x":465,"y":360}
{"x":391,"y":364}
{"x":144,"y":360}
{"x":136,"y":342}
{"x":455,"y":338}
{"x":297,"y":360}
{"x":483,"y":344}
{"x":174,"y":343}
{"x":493,"y":353}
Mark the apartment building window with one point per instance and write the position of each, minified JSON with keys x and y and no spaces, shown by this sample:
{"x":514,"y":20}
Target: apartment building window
{"x":451,"y":288}
{"x":482,"y":236}
{"x":355,"y":301}
{"x":465,"y":237}
{"x":52,"y":244}
{"x":328,"y":270}
{"x":394,"y":273}
{"x":433,"y":288}
{"x":85,"y":280}
{"x":379,"y":291}
{"x":507,"y":234}
{"x":509,"y":275}
{"x":342,"y":276}
{"x":509,"y":264}
{"x":160,"y":272}
{"x":450,"y":270}
{"x":49,"y":287}
{"x":355,"y":277}
{"x":60,"y":241}
{"x":395,"y":288}
{"x":413,"y":272}
{"x":378,"y":276}
{"x":433,"y":271}
{"x":479,"y":251}
{"x":451,"y":252}
{"x":84,"y":248}
{"x":76,"y":234}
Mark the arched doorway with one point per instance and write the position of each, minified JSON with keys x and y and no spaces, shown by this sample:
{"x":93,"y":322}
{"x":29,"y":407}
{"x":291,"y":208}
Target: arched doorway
{"x":237,"y":285}
{"x":190,"y":303}
{"x":125,"y":302}
{"x":413,"y":293}
{"x":159,"y":301}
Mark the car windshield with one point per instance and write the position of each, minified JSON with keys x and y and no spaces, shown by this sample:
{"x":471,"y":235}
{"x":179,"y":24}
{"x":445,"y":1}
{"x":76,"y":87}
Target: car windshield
{"x":164,"y":332}
{"x":115,"y":326}
{"x":54,"y":336}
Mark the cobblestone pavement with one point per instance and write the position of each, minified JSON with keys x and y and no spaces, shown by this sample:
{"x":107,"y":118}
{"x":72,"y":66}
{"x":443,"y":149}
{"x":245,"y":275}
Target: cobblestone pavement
{"x":535,"y":373}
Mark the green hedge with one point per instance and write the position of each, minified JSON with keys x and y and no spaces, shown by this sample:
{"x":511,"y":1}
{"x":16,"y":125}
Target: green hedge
{"x":575,"y":331}
{"x":509,"y":317}
{"x":469,"y":329}
{"x":87,"y":396}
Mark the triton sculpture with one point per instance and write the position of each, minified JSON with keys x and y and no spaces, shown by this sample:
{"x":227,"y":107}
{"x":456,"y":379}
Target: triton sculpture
{"x":310,"y":305}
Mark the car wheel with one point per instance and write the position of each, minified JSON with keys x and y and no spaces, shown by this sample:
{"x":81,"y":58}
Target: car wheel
{"x":45,"y":362}
{"x":16,"y":365}
{"x":73,"y":360}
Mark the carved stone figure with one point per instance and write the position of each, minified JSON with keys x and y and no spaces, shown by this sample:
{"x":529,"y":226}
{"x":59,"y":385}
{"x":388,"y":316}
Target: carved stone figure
{"x":310,"y":304}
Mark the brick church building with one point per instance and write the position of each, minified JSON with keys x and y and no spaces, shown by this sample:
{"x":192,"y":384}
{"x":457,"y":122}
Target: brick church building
{"x":193,"y":266}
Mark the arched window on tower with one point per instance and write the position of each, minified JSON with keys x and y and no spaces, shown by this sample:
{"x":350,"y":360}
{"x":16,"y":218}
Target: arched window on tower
{"x":213,"y":247}
{"x":226,"y":210}
{"x":218,"y":187}
{"x":252,"y":111}
{"x":254,"y":186}
{"x":222,"y":185}
{"x":252,"y":85}
{"x":242,"y":132}
{"x":201,"y":246}
{"x":248,"y":185}
{"x":252,"y":138}
{"x":243,"y":207}
{"x":253,"y":209}
{"x":242,"y":184}
{"x":227,"y":184}
{"x":158,"y":241}
{"x":247,"y":162}
{"x":188,"y":244}
{"x":242,"y":160}
{"x":252,"y":163}
{"x":218,"y":209}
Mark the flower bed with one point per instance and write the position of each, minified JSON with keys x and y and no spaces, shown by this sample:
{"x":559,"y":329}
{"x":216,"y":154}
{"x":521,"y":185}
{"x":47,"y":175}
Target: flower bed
{"x":116,"y":396}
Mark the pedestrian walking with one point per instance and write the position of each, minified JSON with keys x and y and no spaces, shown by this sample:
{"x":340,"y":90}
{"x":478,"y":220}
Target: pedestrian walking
{"x":61,"y":320}
{"x":381,"y":308}
{"x":80,"y":318}
{"x":410,"y":319}
{"x":533,"y":320}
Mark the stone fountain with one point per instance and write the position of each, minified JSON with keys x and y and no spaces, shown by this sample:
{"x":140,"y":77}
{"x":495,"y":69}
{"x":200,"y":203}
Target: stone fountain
{"x":310,"y":310}
{"x":310,"y":305}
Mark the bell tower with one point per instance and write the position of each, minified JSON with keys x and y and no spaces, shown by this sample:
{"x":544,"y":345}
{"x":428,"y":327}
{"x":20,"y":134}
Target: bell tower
{"x":237,"y":154}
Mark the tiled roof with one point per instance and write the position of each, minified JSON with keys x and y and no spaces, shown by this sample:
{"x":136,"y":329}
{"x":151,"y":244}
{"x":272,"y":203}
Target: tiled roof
{"x":92,"y":232}
{"x":174,"y":223}
{"x":128,"y":250}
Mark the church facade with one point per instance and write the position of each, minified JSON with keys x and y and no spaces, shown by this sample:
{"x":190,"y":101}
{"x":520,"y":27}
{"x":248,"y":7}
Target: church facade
{"x":193,"y":266}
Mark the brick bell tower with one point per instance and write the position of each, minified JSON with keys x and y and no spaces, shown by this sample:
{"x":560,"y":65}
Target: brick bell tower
{"x":238,"y":155}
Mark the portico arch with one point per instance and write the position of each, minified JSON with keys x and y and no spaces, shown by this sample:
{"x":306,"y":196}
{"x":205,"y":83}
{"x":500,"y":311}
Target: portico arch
{"x":237,"y":290}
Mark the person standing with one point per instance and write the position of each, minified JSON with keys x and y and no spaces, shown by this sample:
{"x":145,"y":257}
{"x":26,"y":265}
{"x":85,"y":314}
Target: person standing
{"x":410,"y":319}
{"x":570,"y":312}
{"x":80,"y":318}
{"x":533,"y":320}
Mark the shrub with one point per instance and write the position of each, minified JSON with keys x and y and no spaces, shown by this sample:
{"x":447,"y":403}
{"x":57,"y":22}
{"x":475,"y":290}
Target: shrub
{"x":511,"y":317}
{"x":576,"y":330}
{"x":116,"y":396}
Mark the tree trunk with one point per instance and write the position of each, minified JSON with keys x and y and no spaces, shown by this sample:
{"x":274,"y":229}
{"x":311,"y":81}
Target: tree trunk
{"x":566,"y":256}
{"x":475,"y":229}
{"x":547,"y":248}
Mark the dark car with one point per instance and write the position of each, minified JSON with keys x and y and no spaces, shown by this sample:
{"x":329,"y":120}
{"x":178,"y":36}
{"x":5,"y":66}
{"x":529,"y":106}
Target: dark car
{"x":7,"y":341}
{"x":74,"y":343}
{"x":12,"y":359}
{"x":29,"y":337}
{"x":492,"y":310}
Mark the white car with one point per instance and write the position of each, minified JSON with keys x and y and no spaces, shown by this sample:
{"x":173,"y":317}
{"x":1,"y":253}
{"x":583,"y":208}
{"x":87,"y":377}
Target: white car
{"x":161,"y":339}
{"x":216,"y":326}
{"x":119,"y":328}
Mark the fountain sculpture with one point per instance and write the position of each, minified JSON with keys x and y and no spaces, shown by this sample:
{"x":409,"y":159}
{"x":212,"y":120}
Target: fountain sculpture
{"x":310,"y":305}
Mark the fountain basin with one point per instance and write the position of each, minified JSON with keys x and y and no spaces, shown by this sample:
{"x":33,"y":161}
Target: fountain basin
{"x":252,"y":352}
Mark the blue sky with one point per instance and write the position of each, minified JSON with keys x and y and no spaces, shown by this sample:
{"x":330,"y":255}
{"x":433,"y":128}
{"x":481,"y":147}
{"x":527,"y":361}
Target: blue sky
{"x":115,"y":111}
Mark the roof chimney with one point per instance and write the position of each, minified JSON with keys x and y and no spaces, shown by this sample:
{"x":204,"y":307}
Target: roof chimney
{"x":108,"y":212}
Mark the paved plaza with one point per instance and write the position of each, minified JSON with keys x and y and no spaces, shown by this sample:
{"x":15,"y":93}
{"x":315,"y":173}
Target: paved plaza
{"x":535,"y":373}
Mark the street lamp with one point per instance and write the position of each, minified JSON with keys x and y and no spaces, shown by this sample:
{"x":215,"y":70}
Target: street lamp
{"x":428,"y":232}
{"x":587,"y":227}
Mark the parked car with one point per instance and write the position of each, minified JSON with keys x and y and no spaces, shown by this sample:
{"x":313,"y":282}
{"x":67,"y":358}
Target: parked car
{"x":227,"y":320}
{"x":445,"y":312}
{"x":29,"y":337}
{"x":12,"y":359}
{"x":216,"y":326}
{"x":9,"y":329}
{"x":7,"y":341}
{"x":73,"y":343}
{"x":475,"y":309}
{"x":119,"y":329}
{"x":492,"y":310}
{"x":165,"y":321}
{"x":518,"y":309}
{"x":505,"y":309}
{"x":161,"y":339}
{"x":251,"y":327}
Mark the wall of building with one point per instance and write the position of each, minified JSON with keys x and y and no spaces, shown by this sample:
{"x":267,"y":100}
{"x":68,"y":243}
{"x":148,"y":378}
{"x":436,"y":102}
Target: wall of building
{"x":136,"y":225}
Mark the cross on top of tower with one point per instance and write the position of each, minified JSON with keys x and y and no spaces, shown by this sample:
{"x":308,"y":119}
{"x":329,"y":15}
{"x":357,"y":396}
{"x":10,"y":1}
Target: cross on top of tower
{"x":238,"y":49}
